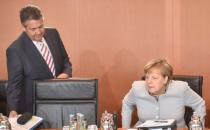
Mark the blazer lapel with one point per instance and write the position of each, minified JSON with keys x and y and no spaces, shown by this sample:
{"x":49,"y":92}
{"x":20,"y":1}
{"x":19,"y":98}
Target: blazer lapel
{"x":34,"y":54}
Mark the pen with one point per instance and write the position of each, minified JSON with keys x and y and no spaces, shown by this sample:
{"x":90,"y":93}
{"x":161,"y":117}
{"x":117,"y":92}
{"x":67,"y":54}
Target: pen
{"x":161,"y":121}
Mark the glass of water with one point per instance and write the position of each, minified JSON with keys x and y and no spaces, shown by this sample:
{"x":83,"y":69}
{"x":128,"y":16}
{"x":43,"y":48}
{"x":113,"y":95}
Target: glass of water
{"x":92,"y":127}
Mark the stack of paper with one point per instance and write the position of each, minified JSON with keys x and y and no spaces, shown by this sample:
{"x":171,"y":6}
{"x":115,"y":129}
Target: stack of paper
{"x":152,"y":124}
{"x":30,"y":125}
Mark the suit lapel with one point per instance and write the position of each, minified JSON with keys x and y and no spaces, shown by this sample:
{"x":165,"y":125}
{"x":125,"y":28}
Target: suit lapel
{"x":34,"y":54}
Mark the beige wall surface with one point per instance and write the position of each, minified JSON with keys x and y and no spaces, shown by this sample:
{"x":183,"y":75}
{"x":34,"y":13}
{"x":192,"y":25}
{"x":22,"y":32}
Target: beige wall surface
{"x":112,"y":39}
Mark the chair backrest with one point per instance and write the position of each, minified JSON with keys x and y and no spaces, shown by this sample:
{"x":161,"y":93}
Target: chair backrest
{"x":195,"y":83}
{"x":56,"y":99}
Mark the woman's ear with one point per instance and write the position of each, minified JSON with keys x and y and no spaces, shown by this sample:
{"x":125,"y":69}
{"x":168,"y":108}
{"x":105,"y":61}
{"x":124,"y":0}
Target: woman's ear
{"x":166,"y":79}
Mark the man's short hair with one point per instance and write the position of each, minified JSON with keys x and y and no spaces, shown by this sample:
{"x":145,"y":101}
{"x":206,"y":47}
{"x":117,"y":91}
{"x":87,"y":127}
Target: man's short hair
{"x":30,"y":12}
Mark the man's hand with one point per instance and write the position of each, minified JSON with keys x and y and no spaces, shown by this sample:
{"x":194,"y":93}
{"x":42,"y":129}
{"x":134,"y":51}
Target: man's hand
{"x":63,"y":76}
{"x":13,"y":114}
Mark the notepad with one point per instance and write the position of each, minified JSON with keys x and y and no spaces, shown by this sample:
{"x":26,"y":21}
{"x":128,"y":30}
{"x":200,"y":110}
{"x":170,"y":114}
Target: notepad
{"x":169,"y":124}
{"x":30,"y":125}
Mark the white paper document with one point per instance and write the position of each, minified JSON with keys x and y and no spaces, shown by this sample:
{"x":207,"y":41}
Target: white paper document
{"x":32,"y":123}
{"x":157,"y":123}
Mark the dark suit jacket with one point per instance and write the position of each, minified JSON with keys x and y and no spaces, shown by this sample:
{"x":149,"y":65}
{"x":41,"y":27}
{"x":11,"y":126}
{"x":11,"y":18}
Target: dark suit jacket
{"x":25,"y":64}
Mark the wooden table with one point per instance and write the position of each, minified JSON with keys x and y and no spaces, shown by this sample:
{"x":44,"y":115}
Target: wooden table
{"x":49,"y":129}
{"x":124,"y":129}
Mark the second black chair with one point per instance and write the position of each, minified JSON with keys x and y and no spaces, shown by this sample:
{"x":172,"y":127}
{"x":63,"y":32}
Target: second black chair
{"x":56,"y":99}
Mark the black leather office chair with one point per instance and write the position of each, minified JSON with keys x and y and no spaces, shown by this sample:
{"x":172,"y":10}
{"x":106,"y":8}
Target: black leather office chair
{"x":195,"y":83}
{"x":56,"y":99}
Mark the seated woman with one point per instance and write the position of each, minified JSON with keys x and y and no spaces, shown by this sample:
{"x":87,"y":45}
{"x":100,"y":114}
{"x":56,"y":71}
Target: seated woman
{"x":160,"y":97}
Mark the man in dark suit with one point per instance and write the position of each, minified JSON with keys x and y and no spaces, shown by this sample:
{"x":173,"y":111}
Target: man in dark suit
{"x":26,"y":60}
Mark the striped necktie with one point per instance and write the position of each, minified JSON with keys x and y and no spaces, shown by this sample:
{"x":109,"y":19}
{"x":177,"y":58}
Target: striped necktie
{"x":45,"y":52}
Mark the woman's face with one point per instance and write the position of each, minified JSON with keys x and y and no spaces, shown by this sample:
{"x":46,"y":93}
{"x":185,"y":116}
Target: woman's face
{"x":155,"y":81}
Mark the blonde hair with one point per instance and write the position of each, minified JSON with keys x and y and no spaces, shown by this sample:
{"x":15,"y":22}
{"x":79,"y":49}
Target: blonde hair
{"x":165,"y":68}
